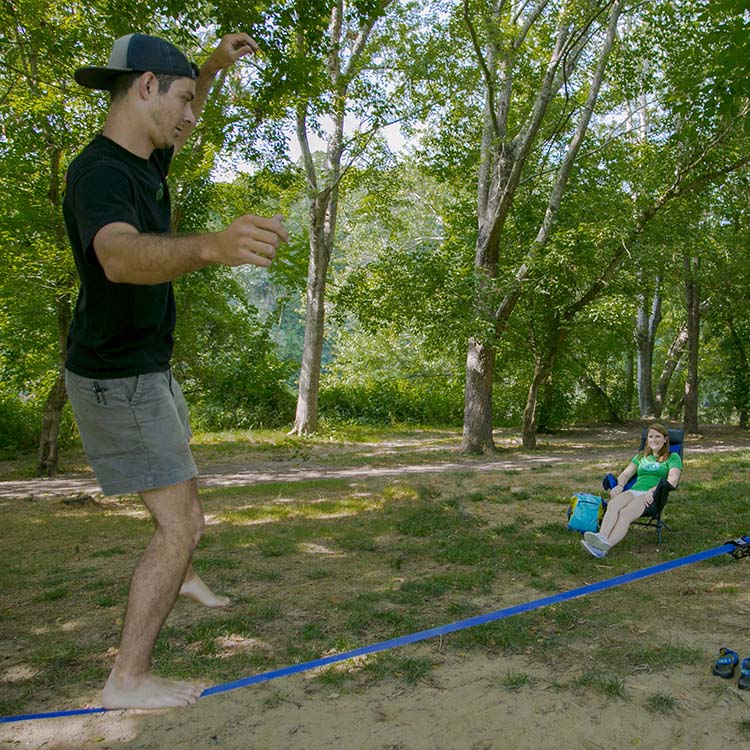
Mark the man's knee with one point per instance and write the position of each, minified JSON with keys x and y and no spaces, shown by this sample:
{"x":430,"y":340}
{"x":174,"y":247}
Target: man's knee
{"x":183,"y":532}
{"x":197,"y":526}
{"x":177,"y":512}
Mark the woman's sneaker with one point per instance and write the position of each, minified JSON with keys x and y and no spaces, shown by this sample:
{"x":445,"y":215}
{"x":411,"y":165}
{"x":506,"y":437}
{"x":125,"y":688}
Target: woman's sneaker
{"x":593,"y":550}
{"x":597,"y":541}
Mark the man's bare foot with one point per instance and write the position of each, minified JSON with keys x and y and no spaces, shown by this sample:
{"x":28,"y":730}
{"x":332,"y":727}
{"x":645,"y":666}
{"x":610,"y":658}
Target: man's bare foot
{"x":149,"y":692}
{"x":198,"y":591}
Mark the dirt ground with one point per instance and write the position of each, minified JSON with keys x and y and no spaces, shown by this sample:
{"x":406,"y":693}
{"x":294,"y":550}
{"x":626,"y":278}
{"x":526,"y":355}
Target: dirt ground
{"x":460,"y":708}
{"x":463,"y":704}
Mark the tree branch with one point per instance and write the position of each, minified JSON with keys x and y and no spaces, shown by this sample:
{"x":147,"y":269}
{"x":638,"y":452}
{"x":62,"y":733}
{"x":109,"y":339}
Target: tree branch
{"x":488,"y":82}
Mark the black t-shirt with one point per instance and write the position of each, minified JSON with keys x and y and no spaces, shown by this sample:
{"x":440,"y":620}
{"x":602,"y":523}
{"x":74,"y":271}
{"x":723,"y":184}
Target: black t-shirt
{"x":118,"y":330}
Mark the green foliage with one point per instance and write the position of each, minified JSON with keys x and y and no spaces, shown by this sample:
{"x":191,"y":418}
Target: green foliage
{"x":403,"y":294}
{"x":433,"y":401}
{"x":19,"y":424}
{"x":225,"y":357}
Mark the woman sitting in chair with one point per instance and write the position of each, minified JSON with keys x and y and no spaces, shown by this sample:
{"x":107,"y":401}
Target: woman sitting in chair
{"x":654,"y":466}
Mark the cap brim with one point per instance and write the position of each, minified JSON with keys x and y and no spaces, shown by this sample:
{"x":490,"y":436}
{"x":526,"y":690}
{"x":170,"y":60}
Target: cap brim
{"x":98,"y":78}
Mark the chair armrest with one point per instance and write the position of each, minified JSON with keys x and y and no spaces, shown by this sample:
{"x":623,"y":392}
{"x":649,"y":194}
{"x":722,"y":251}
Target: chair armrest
{"x":661,"y":495}
{"x":609,"y":481}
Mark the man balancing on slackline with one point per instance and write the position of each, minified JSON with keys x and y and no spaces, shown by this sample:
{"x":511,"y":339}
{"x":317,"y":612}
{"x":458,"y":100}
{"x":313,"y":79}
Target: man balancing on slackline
{"x":130,"y":410}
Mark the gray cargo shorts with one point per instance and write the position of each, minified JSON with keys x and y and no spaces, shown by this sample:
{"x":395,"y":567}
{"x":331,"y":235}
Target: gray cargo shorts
{"x":135,"y":431}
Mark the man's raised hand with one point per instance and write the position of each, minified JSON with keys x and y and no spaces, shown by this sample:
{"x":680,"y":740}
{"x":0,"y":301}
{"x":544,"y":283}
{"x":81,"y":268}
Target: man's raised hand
{"x":230,"y":49}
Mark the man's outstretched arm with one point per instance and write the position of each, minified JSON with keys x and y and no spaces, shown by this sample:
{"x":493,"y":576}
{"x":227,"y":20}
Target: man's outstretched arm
{"x":230,"y":49}
{"x":129,"y":257}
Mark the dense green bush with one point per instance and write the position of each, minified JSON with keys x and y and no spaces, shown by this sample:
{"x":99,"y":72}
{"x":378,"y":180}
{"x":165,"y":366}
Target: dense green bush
{"x":424,"y":401}
{"x":240,"y":392}
{"x":21,"y":424}
{"x":20,"y":420}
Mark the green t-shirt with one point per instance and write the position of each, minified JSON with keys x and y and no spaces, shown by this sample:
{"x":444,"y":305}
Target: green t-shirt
{"x":650,"y":471}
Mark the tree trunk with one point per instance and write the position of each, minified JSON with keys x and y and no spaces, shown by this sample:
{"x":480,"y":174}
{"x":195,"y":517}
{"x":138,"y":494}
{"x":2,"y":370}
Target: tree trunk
{"x":648,"y":322}
{"x":542,"y":370}
{"x":528,"y":429}
{"x":306,"y":418}
{"x":323,"y":188}
{"x":675,"y":407}
{"x":597,"y":391}
{"x":690,"y":422}
{"x":627,"y":401}
{"x":545,"y":423}
{"x":48,"y":454}
{"x":49,"y":441}
{"x":501,"y":165}
{"x":674,"y":356}
{"x":49,"y":438}
{"x":480,"y":364}
{"x":740,"y":375}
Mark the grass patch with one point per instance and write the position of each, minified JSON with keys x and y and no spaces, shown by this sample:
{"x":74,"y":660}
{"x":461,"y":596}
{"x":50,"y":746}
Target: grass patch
{"x":332,"y":677}
{"x":608,"y":686}
{"x":355,"y":540}
{"x":512,"y":635}
{"x":662,"y":657}
{"x":514,"y":681}
{"x":204,"y":564}
{"x":324,"y":565}
{"x":661,"y":704}
{"x":108,"y":552}
{"x":413,"y":669}
{"x":276,"y":546}
{"x":53,"y":595}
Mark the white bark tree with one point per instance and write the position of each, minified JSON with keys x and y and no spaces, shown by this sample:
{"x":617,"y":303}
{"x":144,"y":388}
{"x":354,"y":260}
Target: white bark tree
{"x":348,"y":53}
{"x":505,"y":149}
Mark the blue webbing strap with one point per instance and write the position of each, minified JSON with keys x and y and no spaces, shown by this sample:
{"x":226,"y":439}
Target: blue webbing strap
{"x":422,"y":635}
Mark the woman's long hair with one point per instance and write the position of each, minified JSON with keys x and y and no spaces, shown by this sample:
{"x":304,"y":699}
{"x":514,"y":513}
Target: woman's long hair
{"x":663,"y":453}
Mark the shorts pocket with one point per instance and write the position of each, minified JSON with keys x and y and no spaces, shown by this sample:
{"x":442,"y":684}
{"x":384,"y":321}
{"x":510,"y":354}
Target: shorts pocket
{"x":126,"y":389}
{"x":104,"y":391}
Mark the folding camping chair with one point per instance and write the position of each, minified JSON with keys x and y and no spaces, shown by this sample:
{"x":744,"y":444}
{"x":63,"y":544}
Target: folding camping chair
{"x":652,"y":515}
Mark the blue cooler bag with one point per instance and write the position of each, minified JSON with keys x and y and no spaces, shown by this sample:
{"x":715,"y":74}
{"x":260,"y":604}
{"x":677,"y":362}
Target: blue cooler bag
{"x":585,"y":512}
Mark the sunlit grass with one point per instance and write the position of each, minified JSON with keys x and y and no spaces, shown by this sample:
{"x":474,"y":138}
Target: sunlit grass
{"x":288,"y":510}
{"x":277,"y":490}
{"x":323,"y":565}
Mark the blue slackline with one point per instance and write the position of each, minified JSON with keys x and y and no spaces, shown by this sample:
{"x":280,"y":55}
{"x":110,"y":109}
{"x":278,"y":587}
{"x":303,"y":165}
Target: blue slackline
{"x":422,"y":635}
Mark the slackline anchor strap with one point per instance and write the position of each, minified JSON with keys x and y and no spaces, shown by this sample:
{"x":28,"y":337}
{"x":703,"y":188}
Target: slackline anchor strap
{"x":738,"y":548}
{"x":741,"y":547}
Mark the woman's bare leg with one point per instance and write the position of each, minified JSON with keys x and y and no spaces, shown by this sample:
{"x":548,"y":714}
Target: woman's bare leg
{"x":634,"y":509}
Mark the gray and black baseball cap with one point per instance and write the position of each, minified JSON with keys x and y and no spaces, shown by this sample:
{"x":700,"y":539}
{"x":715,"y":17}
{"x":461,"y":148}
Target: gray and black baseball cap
{"x":138,"y":53}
